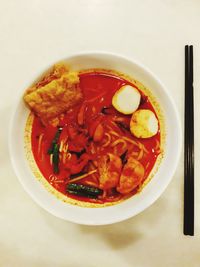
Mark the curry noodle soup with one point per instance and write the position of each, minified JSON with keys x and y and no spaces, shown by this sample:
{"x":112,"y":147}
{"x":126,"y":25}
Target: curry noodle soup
{"x":93,"y":137}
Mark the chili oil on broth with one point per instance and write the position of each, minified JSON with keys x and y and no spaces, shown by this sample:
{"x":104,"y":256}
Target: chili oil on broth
{"x":66,"y":198}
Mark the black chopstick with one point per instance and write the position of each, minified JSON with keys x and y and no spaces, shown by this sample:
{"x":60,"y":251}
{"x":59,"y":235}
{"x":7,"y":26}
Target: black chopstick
{"x":188,"y":228}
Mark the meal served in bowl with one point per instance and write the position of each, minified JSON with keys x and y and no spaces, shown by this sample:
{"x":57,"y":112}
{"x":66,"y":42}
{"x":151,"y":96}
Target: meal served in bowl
{"x":96,"y":139}
{"x":94,"y":136}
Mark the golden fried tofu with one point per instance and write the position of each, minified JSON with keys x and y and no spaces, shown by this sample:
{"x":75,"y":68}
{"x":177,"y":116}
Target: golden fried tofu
{"x":54,"y":94}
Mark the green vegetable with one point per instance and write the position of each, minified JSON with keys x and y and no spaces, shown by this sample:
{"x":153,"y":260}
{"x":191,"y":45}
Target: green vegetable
{"x":81,"y":194}
{"x":56,"y":158}
{"x":84,"y":190}
{"x":55,"y":140}
{"x":124,"y":157}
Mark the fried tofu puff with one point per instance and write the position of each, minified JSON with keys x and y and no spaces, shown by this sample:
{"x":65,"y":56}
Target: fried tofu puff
{"x":109,"y":169}
{"x":55,"y":94}
{"x":131,"y":176}
{"x":144,"y":123}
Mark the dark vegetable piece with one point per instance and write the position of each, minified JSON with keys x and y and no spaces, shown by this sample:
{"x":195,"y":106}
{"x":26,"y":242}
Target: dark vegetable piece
{"x":81,"y":194}
{"x":108,"y":110}
{"x":84,"y":190}
{"x":122,"y":126}
{"x":56,"y":158}
{"x":55,"y":140}
{"x":124,"y":157}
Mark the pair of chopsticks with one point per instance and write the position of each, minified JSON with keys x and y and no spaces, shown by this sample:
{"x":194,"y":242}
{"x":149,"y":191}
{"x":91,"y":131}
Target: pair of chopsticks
{"x":188,"y":228}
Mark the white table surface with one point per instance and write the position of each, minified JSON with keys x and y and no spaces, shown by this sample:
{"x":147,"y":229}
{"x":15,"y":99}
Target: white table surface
{"x":34,"y":34}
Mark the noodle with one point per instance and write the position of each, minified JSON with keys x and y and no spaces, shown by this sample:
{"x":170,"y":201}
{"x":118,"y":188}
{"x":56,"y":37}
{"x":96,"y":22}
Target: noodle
{"x":95,"y":98}
{"x":58,"y":181}
{"x":51,"y":159}
{"x":119,"y":119}
{"x":94,"y":175}
{"x":135,"y":154}
{"x":114,"y":124}
{"x":119,"y":141}
{"x":157,"y":145}
{"x":140,"y":154}
{"x":40,"y":142}
{"x":91,"y":183}
{"x":108,"y":141}
{"x":141,"y":146}
{"x":147,"y":165}
{"x":81,"y":177}
{"x":92,"y":149}
{"x":68,"y":156}
{"x":125,"y":138}
{"x":138,"y":144}
{"x":65,"y":148}
{"x":61,"y":146}
{"x":64,"y":158}
{"x":158,"y":150}
{"x":52,"y":178}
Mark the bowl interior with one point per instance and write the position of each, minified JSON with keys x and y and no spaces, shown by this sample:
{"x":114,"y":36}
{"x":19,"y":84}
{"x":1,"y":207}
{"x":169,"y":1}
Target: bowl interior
{"x":137,"y":203}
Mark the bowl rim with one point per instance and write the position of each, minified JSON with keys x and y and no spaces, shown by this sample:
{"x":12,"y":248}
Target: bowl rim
{"x":157,"y":194}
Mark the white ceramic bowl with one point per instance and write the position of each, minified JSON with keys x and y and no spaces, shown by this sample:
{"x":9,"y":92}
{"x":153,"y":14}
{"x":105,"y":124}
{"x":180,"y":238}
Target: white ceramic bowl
{"x":135,"y":204}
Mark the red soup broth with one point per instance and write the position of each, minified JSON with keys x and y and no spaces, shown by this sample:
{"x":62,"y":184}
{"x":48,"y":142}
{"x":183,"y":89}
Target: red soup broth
{"x":98,"y":89}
